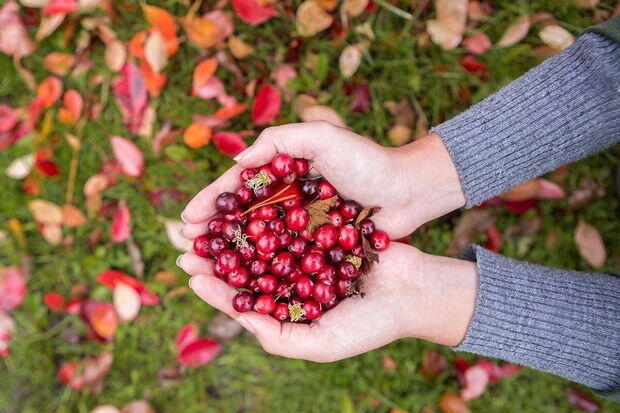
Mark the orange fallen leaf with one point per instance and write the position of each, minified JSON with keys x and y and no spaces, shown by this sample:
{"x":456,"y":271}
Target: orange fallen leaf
{"x":311,"y":18}
{"x":231,"y":111}
{"x":239,"y":48}
{"x":59,"y":63}
{"x":197,"y":135}
{"x":136,"y":45}
{"x":161,"y":20}
{"x":451,"y":403}
{"x":72,"y":216}
{"x":515,"y":32}
{"x":49,"y":91}
{"x":201,"y":32}
{"x":203,"y":72}
{"x":45,"y":212}
{"x":153,"y":81}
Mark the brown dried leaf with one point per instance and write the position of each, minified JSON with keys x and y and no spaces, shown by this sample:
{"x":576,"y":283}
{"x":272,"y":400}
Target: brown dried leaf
{"x":370,"y":254}
{"x":525,"y":228}
{"x":94,"y":371}
{"x":447,"y":29}
{"x":590,"y":244}
{"x":355,"y":7}
{"x":72,"y":216}
{"x":239,"y":48}
{"x":451,"y":403}
{"x":515,"y":32}
{"x":433,"y":364}
{"x":59,"y":63}
{"x":312,"y":18}
{"x":367,"y":212}
{"x":318,"y":212}
{"x":471,"y":223}
{"x":402,"y":111}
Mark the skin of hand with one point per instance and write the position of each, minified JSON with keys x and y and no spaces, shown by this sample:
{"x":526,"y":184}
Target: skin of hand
{"x":408,"y":294}
{"x":413,"y":184}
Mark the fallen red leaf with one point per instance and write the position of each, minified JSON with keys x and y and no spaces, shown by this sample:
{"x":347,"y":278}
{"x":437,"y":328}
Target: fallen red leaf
{"x":581,"y":401}
{"x":14,"y":40}
{"x":49,"y":91}
{"x":199,"y":352}
{"x":153,"y":81}
{"x":475,"y":67}
{"x":494,"y":238}
{"x":128,"y":156}
{"x":55,"y":301}
{"x":110,"y":278}
{"x":266,"y":105}
{"x":520,"y":207}
{"x":186,"y":335}
{"x":100,"y":317}
{"x":433,"y":364}
{"x":461,"y":366}
{"x":8,"y":118}
{"x":252,"y":12}
{"x":12,"y":288}
{"x":360,"y":99}
{"x":131,"y":96}
{"x":88,"y":373}
{"x":229,"y":143}
{"x":121,"y":223}
{"x":60,"y":7}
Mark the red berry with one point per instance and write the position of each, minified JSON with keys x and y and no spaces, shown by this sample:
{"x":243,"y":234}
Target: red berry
{"x":294,"y":275}
{"x":323,"y":293}
{"x":343,"y":288}
{"x":348,"y":237}
{"x":326,"y":236}
{"x":265,"y":192}
{"x":280,"y":312}
{"x":219,"y":271}
{"x":258,"y":267}
{"x":267,"y":212}
{"x":301,"y":166}
{"x":276,"y":226}
{"x":336,"y":254}
{"x":310,"y":188}
{"x":307,"y":235}
{"x":267,"y":243}
{"x":217,"y":245}
{"x":267,"y":257}
{"x":247,"y":253}
{"x":285,"y":239}
{"x":282,"y":165}
{"x":243,"y":301}
{"x":312,"y":262}
{"x":326,"y":190}
{"x":304,"y":286}
{"x":326,"y":275}
{"x":244,"y":195}
{"x":312,"y":309}
{"x":226,"y":203}
{"x":201,"y":246}
{"x":347,"y":271}
{"x":298,"y":247}
{"x":230,"y":230}
{"x":215,"y":226}
{"x":282,"y":264}
{"x":267,"y":283}
{"x":297,"y":218}
{"x":247,"y":174}
{"x":265,"y":304}
{"x":229,"y":260}
{"x":290,"y":203}
{"x":255,"y":228}
{"x":379,"y":240}
{"x":267,"y":169}
{"x":337,"y":219}
{"x":350,"y":209}
{"x":367,"y":226}
{"x":239,"y":277}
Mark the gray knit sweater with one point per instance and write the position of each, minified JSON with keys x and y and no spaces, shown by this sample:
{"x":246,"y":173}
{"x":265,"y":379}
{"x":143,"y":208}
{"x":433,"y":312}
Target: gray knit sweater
{"x":563,"y":322}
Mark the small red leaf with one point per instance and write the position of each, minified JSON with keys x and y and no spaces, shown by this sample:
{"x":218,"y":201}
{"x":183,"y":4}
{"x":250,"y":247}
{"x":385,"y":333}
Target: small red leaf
{"x":477,"y":43}
{"x":110,"y":278}
{"x":60,"y":7}
{"x":199,"y":352}
{"x":520,"y":207}
{"x":433,"y":364}
{"x":461,"y":366}
{"x":229,"y":143}
{"x":252,"y":12}
{"x":131,"y":96}
{"x":581,"y":401}
{"x":54,"y":301}
{"x":186,"y":335}
{"x":101,"y":317}
{"x":360,"y":99}
{"x":46,"y":167}
{"x":266,"y":105}
{"x":128,"y":156}
{"x":494,"y":238}
{"x":12,"y":288}
{"x":475,"y":67}
{"x":121,"y":223}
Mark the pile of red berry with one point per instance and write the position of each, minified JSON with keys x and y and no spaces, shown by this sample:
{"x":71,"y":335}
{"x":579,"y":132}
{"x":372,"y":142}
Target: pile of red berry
{"x":288,"y":242}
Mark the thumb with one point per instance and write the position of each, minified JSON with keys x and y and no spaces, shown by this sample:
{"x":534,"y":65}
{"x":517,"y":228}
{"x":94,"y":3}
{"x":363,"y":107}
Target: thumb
{"x":299,"y":140}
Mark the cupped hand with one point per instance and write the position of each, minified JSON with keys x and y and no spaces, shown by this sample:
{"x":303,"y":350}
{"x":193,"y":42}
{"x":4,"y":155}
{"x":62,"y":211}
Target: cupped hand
{"x":408,"y":294}
{"x":412,"y":184}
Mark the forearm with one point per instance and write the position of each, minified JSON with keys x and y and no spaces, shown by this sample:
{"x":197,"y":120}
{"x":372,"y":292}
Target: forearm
{"x":562,"y":110}
{"x":563,"y":322}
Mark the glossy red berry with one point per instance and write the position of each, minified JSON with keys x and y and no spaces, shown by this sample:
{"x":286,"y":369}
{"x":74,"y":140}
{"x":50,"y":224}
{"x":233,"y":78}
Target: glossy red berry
{"x":217,"y":245}
{"x":267,"y":212}
{"x":326,"y":275}
{"x":298,"y":247}
{"x":215,"y":226}
{"x":265,"y":304}
{"x":247,"y":174}
{"x":337,"y":219}
{"x":310,"y":189}
{"x":276,"y":226}
{"x":267,"y":283}
{"x":282,"y":165}
{"x":297,"y":218}
{"x":244,"y":194}
{"x":282,"y":264}
{"x":348,"y":237}
{"x":326,"y":236}
{"x":367,"y":226}
{"x":229,"y":260}
{"x":280,"y":312}
{"x":323,"y":293}
{"x":301,"y":166}
{"x":285,"y":239}
{"x":255,"y":228}
{"x":226,"y":203}
{"x":290,"y":203}
{"x":312,"y":309}
{"x":350,"y":209}
{"x":243,"y":301}
{"x":336,"y":254}
{"x":267,"y":243}
{"x":312,"y":262}
{"x":347,"y":271}
{"x":343,"y":288}
{"x":326,"y":190}
{"x":304,"y":286}
{"x":239,"y":277}
{"x":247,"y":252}
{"x":258,"y":267}
{"x":201,"y":246}
{"x":231,"y":229}
{"x":264,"y":192}
{"x":379,"y":240}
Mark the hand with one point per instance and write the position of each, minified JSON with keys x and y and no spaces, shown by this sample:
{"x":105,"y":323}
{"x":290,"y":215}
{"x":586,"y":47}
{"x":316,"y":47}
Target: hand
{"x":409,"y":294}
{"x":413,"y":184}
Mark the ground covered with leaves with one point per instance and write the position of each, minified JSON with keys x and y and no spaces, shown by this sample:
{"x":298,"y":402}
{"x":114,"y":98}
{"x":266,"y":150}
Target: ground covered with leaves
{"x":113,"y":114}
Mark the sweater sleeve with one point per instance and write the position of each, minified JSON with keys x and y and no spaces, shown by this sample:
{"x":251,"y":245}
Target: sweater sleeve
{"x":563,"y":322}
{"x":563,"y":110}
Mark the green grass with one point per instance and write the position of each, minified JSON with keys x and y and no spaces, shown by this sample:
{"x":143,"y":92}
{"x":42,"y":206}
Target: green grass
{"x":397,"y":65}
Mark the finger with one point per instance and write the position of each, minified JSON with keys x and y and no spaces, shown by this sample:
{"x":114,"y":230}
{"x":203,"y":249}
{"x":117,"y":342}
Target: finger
{"x":202,"y":206}
{"x":191,"y":231}
{"x":300,"y":140}
{"x":193,"y":264}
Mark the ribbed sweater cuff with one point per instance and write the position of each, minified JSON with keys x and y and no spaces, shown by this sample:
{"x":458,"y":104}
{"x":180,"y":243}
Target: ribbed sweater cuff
{"x":563,"y":110}
{"x":563,"y":322}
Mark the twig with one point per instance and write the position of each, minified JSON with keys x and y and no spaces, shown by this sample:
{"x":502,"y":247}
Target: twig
{"x":394,"y":9}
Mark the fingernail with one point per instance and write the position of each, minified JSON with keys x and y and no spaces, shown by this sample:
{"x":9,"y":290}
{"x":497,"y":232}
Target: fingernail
{"x":178,"y":262}
{"x":242,"y":154}
{"x":245,"y":323}
{"x":193,"y":283}
{"x":183,"y":217}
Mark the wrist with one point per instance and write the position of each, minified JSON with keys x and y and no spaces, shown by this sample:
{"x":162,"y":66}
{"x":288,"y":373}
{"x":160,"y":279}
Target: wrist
{"x":448,"y":291}
{"x":432,"y":177}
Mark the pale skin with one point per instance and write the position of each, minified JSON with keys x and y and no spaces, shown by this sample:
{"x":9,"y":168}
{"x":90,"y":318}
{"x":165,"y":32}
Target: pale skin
{"x":408,"y":294}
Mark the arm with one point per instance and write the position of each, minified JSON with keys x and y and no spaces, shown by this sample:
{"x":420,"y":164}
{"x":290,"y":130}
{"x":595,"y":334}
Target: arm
{"x":560,"y":111}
